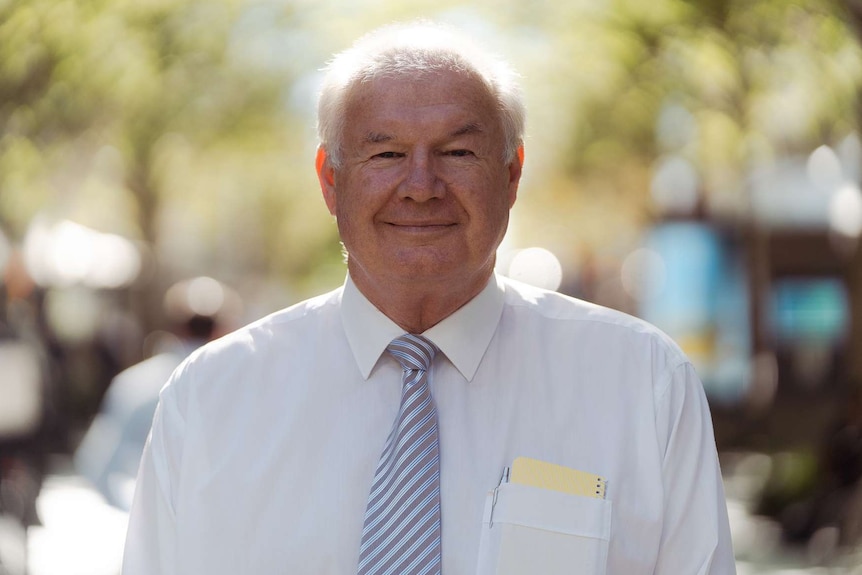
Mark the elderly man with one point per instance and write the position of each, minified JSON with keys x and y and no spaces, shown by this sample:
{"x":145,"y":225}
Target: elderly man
{"x":430,"y":416}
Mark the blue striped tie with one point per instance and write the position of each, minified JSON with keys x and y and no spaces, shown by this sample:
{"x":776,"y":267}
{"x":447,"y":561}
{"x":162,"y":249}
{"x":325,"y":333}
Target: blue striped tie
{"x":402,"y":522}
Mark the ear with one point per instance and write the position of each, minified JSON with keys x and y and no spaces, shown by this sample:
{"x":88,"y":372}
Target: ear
{"x":326,"y":177}
{"x":515,"y":169}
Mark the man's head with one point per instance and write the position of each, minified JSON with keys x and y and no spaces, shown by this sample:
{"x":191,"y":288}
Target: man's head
{"x":201,"y":308}
{"x":415,"y":50}
{"x":420,"y":161}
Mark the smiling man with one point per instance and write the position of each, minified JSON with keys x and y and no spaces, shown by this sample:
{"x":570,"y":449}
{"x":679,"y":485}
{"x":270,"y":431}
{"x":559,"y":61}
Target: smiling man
{"x":430,"y":416}
{"x":421,"y":191}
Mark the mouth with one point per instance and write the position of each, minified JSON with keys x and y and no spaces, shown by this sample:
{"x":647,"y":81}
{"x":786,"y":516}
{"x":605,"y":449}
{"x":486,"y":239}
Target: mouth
{"x":420,"y":227}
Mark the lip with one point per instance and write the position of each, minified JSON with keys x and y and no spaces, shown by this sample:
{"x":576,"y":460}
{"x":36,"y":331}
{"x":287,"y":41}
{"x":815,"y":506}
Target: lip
{"x":420,"y":226}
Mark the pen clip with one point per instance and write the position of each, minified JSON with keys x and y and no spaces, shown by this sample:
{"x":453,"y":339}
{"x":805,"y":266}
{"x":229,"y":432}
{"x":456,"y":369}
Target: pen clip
{"x":504,"y":478}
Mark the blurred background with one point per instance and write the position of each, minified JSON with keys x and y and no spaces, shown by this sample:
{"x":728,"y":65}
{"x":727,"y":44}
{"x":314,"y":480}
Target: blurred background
{"x":695,"y":163}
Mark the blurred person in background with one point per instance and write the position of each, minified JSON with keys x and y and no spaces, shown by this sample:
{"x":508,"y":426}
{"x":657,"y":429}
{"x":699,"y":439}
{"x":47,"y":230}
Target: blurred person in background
{"x":198,"y":311}
{"x":840,"y":504}
{"x":25,"y":396}
{"x":521,"y":431}
{"x":832,"y":497}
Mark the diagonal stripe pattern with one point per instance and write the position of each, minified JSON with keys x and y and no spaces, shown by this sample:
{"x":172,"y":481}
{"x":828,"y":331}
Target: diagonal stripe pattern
{"x":401,"y":534}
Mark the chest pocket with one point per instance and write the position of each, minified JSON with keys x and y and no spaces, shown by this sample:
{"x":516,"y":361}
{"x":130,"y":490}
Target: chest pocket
{"x":527,"y":529}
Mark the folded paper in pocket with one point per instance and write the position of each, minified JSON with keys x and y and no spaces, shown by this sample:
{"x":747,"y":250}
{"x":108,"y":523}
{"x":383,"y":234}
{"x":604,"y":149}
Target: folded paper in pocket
{"x":546,"y":531}
{"x":536,"y":473}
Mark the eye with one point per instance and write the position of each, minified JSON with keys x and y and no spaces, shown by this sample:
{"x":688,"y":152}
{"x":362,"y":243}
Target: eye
{"x":459,"y":153}
{"x":387,"y":155}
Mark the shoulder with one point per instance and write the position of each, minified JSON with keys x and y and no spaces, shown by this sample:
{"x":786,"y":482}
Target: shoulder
{"x":293,"y":322}
{"x":588,"y":323}
{"x":289,"y":331}
{"x":143,"y":379}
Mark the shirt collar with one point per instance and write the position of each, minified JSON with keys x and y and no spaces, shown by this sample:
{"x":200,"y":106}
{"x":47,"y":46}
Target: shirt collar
{"x":463,"y":336}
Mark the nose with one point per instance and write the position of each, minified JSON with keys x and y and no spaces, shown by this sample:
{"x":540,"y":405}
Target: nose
{"x":421,"y":182}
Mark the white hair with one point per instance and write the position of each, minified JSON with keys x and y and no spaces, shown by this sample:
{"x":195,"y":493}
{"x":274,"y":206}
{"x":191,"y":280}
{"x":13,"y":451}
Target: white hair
{"x":415,"y":49}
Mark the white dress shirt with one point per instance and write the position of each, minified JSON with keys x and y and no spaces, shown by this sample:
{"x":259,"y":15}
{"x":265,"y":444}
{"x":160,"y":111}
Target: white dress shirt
{"x":265,"y":442}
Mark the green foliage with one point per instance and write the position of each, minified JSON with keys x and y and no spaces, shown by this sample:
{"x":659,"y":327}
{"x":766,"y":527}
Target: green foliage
{"x":188,"y":123}
{"x":758,"y":78}
{"x":143,"y":118}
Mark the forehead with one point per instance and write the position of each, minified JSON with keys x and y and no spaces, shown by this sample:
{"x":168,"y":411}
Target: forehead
{"x":422,"y":100}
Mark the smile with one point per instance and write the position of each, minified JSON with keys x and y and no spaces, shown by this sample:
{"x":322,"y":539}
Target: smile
{"x":420,"y":227}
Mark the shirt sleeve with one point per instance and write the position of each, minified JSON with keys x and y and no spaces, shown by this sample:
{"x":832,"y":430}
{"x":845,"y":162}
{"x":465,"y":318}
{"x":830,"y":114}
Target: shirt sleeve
{"x":151,"y":547}
{"x":695,"y":533}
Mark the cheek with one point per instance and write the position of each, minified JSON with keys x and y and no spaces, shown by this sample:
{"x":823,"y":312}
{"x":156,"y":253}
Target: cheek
{"x":357,"y":201}
{"x":490,"y":201}
{"x":492,"y":210}
{"x":366,"y":188}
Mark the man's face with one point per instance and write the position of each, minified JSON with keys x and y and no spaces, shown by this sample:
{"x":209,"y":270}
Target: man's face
{"x":423,"y":193}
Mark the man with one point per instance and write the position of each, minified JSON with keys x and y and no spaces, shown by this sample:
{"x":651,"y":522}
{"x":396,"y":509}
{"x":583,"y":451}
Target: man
{"x":322,"y":440}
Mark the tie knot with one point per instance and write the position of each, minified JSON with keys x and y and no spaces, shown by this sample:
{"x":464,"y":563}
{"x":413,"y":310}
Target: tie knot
{"x":413,"y":351}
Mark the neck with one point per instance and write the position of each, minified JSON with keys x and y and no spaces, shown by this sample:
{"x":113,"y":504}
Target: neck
{"x":417,"y":307}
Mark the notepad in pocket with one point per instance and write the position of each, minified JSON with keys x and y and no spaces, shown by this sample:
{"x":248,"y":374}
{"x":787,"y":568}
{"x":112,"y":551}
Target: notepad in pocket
{"x":527,"y":471}
{"x":545,"y":519}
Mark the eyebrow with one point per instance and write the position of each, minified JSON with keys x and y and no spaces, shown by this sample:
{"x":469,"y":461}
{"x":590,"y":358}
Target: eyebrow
{"x":466,"y":129}
{"x":471,"y":128}
{"x":377,"y":138}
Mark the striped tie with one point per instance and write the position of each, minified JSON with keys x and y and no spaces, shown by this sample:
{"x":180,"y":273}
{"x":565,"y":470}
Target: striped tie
{"x":402,"y":522}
